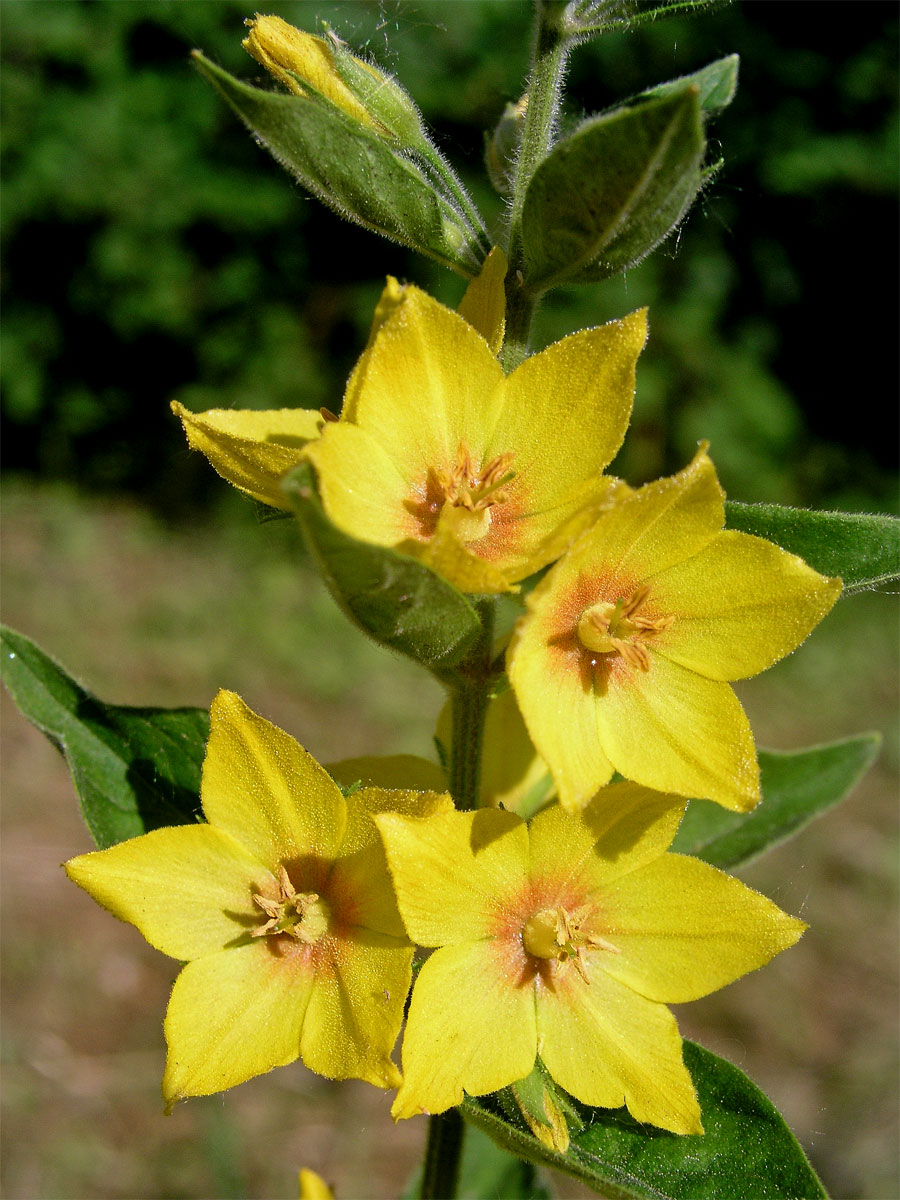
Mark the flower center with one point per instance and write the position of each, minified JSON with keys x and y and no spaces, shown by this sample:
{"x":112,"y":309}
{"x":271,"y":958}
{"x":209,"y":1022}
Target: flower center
{"x":620,"y":629}
{"x":468,"y":491}
{"x":303,"y":915}
{"x":555,"y":933}
{"x":464,"y":486}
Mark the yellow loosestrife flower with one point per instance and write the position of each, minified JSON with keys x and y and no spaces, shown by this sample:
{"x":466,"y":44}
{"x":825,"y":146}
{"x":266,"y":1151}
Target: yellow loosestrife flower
{"x":566,"y":938}
{"x":253,"y":449}
{"x":282,"y":908}
{"x":483,"y":476}
{"x":622,"y":662}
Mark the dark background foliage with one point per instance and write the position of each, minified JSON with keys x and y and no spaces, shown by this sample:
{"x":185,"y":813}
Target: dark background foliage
{"x":153,"y":252}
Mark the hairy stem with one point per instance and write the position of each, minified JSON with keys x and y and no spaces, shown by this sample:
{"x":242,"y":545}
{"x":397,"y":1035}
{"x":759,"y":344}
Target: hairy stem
{"x":551,"y":48}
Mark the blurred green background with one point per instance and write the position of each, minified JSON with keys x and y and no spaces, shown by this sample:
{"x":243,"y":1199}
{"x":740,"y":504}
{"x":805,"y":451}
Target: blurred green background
{"x":153,"y":252}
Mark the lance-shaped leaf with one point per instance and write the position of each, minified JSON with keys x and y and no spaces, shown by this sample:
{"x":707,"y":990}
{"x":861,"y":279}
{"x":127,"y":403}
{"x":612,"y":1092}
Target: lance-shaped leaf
{"x":796,"y":787}
{"x":746,"y":1150}
{"x":604,"y":197}
{"x":863,"y":548}
{"x":135,"y":769}
{"x":396,"y":599}
{"x":352,"y":169}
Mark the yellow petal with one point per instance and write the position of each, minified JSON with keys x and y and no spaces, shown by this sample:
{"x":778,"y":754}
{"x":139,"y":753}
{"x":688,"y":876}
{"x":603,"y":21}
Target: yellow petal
{"x":739,"y":606}
{"x":360,"y":872}
{"x":392,"y":297}
{"x":557,"y":704}
{"x":684,"y":929}
{"x":287,"y":52}
{"x":232,"y":1015}
{"x":608,"y":1046}
{"x":449,"y":868}
{"x":362,"y":491}
{"x":252,"y":449}
{"x":621,"y":830}
{"x":262,"y":787}
{"x":446,"y":553}
{"x":431,"y":382}
{"x":356,"y":1009}
{"x":313,"y":1186}
{"x":187,"y":888}
{"x":484,"y":304}
{"x":403,"y":771}
{"x":566,"y":409}
{"x":672,"y":730}
{"x":651,"y":529}
{"x":471,"y":1027}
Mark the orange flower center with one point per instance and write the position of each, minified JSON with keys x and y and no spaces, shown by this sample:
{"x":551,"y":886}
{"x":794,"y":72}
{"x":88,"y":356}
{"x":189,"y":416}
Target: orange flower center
{"x":302,"y":915}
{"x":470,"y":490}
{"x":621,"y":629}
{"x":555,"y":933}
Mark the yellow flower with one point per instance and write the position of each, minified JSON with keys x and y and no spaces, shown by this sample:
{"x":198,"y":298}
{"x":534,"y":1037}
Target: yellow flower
{"x":566,"y":938}
{"x":282,"y":908}
{"x":253,"y":449}
{"x":485,"y":477}
{"x":622,"y":662}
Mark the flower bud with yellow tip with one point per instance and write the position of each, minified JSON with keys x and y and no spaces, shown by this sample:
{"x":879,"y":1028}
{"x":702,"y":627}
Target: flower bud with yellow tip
{"x":306,"y":64}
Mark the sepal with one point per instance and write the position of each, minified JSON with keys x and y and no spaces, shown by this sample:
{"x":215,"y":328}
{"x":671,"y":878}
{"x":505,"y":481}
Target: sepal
{"x":397,"y":600}
{"x":352,"y":168}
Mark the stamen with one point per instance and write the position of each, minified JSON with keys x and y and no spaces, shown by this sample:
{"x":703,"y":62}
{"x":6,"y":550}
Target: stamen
{"x":302,"y":915}
{"x":620,"y":628}
{"x":556,"y":934}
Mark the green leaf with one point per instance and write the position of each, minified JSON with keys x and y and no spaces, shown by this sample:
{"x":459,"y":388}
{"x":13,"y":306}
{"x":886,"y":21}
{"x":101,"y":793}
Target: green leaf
{"x":606,"y":195}
{"x":797,"y":786}
{"x":134,"y":769}
{"x":351,"y":169}
{"x":863,"y":548}
{"x":610,"y":16}
{"x":746,"y":1151}
{"x":396,"y":599}
{"x":717,"y":84}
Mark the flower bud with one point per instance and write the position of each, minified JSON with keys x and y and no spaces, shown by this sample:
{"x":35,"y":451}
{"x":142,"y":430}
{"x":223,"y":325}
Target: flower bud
{"x":502,"y":148}
{"x":307,"y":64}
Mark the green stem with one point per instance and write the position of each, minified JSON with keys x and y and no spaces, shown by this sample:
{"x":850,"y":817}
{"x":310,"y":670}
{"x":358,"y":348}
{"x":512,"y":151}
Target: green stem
{"x":469,"y":701}
{"x":552,"y":45}
{"x":440,"y":1175}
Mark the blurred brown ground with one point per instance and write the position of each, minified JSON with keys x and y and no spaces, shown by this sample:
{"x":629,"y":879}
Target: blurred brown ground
{"x":143,"y":615}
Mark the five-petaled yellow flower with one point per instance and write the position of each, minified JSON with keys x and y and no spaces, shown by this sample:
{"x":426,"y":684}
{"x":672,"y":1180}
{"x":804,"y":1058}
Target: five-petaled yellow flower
{"x":484,"y":476}
{"x":622,"y":662}
{"x":566,"y":938}
{"x":282,"y":907}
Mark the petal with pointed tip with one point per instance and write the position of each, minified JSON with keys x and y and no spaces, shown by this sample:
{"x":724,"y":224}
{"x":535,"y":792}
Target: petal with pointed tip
{"x":252,"y":449}
{"x":684,"y":929}
{"x":262,"y":787}
{"x":471,"y":1027}
{"x":187,"y":888}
